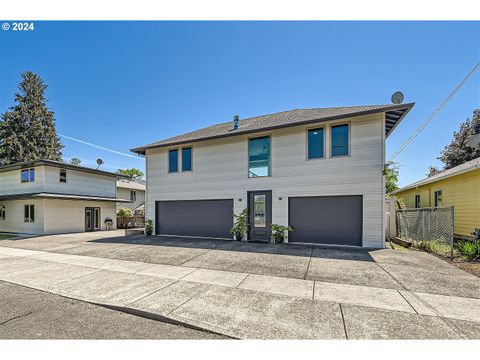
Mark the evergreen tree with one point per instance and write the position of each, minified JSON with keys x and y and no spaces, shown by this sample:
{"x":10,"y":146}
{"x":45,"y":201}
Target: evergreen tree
{"x":457,"y":152}
{"x":27,"y":130}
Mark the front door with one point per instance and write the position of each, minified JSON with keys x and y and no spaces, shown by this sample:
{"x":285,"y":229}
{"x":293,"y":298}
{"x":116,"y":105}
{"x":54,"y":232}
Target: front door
{"x":92,"y":218}
{"x":88,"y":219}
{"x":260,"y":215}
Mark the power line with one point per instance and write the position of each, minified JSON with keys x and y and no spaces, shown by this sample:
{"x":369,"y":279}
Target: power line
{"x":435,"y":113}
{"x":100,"y":147}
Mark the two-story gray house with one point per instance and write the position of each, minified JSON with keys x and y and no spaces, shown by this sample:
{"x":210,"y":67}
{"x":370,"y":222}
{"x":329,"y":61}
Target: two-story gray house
{"x":51,"y":197}
{"x":321,"y":171}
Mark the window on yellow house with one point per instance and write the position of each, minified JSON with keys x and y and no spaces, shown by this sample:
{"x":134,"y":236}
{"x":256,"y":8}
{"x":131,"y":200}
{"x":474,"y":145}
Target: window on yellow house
{"x":417,"y":201}
{"x":437,"y":198}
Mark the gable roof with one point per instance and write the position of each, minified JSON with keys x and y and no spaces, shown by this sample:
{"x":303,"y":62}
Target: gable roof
{"x":58,"y":164}
{"x":457,"y":170}
{"x":394,"y":114}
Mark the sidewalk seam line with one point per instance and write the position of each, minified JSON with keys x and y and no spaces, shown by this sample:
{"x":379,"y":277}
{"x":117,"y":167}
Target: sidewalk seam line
{"x":343,"y":321}
{"x":200,"y":292}
{"x":153,"y":292}
{"x":394,"y":278}
{"x":196,"y":256}
{"x":408,"y":302}
{"x":308,"y":265}
{"x":241,"y":282}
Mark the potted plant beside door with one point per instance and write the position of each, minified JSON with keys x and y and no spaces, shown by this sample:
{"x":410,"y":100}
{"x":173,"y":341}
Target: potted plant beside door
{"x":240,"y":227}
{"x":278,"y":233}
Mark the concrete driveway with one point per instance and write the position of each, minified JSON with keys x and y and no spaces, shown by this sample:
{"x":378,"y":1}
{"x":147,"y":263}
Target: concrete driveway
{"x":250,"y":290}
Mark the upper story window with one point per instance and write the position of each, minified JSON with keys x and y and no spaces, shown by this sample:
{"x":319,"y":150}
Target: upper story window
{"x":63,"y":176}
{"x":27,"y":175}
{"x":173,"y":160}
{"x":315,"y":143}
{"x":259,"y":157}
{"x":29,"y":213}
{"x":2,"y":212}
{"x":133,"y":195}
{"x":437,"y":198}
{"x":340,"y":140}
{"x":187,"y":159}
{"x":417,"y":201}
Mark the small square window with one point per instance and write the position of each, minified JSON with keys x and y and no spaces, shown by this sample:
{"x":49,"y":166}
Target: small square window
{"x":63,"y":175}
{"x":173,"y":160}
{"x":27,"y":175}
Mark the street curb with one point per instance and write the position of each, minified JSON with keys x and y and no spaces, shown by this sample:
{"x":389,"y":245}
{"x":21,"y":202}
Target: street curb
{"x":162,"y":318}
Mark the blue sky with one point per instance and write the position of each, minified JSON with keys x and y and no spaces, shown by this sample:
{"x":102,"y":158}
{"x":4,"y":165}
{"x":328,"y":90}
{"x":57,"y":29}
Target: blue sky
{"x":124,"y":84}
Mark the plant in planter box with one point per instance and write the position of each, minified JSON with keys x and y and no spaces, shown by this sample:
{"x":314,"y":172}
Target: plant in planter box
{"x":148,"y":227}
{"x":278,"y":233}
{"x":240,"y":227}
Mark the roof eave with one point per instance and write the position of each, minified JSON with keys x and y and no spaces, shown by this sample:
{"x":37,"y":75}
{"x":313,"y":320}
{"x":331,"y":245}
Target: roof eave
{"x":408,"y":107}
{"x":427,"y":181}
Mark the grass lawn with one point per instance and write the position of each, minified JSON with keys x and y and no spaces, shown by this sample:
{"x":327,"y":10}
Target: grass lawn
{"x":3,"y":237}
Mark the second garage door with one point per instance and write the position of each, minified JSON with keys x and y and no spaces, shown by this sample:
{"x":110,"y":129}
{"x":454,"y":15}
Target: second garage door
{"x":206,"y":218}
{"x":326,"y":220}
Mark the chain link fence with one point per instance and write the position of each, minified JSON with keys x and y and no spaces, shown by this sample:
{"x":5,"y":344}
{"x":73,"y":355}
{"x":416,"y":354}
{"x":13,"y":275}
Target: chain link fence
{"x":426,"y":225}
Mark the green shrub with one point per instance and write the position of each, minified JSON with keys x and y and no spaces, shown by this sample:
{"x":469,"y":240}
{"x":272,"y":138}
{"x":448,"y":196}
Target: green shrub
{"x":278,"y":233}
{"x":148,"y":227}
{"x":125,"y":212}
{"x":240,"y":227}
{"x":470,"y":250}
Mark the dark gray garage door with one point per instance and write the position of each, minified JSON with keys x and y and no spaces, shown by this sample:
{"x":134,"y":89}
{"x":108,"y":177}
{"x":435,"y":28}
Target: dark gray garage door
{"x":326,"y":220}
{"x":208,"y":218}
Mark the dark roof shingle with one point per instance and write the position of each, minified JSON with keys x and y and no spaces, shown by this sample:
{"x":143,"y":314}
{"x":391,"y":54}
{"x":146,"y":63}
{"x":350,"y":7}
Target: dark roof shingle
{"x":284,"y":119}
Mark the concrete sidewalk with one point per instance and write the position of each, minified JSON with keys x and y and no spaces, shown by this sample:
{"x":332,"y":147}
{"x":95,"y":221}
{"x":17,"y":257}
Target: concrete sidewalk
{"x":244,"y":305}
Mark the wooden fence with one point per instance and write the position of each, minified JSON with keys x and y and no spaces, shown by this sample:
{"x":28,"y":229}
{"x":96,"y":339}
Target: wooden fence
{"x":130,"y":222}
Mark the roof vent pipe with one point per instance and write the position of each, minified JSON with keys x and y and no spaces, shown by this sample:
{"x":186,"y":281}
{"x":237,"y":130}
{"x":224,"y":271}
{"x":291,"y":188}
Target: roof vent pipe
{"x":235,"y":122}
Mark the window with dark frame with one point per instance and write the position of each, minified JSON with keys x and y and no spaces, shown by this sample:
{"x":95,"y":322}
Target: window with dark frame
{"x":63,"y":175}
{"x":187,"y":159}
{"x":316,"y":143}
{"x":27,"y":175}
{"x":417,"y":201}
{"x":437,"y":198}
{"x":340,"y":140}
{"x":2,"y":212}
{"x":29,"y":213}
{"x":259,"y":157}
{"x":133,"y":195}
{"x":173,"y":161}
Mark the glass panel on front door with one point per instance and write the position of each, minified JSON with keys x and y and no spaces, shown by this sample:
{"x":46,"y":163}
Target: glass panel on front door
{"x":259,"y":208}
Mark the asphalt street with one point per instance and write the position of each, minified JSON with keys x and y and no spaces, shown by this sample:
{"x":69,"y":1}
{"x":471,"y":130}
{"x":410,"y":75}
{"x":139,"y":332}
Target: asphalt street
{"x":31,"y":314}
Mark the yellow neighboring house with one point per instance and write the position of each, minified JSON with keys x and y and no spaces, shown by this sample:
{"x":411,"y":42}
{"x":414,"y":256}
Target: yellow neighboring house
{"x":458,"y":187}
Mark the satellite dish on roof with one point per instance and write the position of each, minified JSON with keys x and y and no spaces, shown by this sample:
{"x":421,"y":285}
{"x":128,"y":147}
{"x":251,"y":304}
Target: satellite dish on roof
{"x":397,"y":97}
{"x":99,"y":162}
